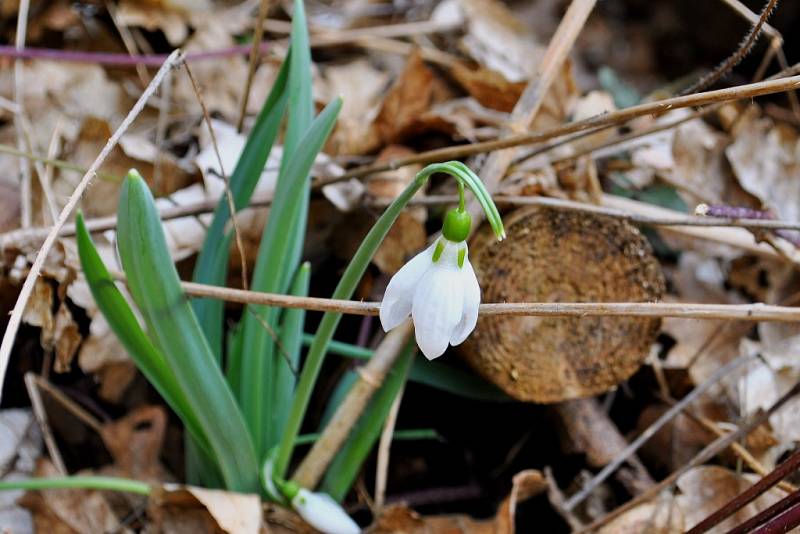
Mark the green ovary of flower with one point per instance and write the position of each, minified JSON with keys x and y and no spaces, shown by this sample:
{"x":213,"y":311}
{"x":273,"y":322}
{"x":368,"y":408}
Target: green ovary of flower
{"x":457,"y":224}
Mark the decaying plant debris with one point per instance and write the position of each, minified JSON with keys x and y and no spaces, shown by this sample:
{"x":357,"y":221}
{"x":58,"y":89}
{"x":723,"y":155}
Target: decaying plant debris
{"x":600,"y":421}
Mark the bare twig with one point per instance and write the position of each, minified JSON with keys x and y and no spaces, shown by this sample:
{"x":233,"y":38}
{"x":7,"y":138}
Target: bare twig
{"x":26,"y":207}
{"x":650,"y":431}
{"x":711,"y":450}
{"x":370,"y":378}
{"x":608,"y":119}
{"x":258,"y":34}
{"x":741,"y":52}
{"x":27,"y":287}
{"x":41,"y":417}
{"x":743,"y":312}
{"x":228,"y":195}
{"x":384,"y":448}
{"x":529,"y":103}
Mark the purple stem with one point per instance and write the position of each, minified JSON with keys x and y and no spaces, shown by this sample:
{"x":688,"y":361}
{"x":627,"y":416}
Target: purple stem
{"x":734,"y":212}
{"x":120,"y":60}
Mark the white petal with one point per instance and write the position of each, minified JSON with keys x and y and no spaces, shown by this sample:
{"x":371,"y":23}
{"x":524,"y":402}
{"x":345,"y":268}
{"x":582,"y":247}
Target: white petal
{"x":437,"y":307}
{"x":397,"y":299}
{"x":472,"y":300}
{"x":323,"y":513}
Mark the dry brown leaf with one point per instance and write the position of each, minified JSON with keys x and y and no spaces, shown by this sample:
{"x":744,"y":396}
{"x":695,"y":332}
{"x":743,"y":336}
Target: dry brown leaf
{"x":388,"y":184}
{"x":39,"y":311}
{"x":171,"y":17}
{"x":494,"y":37}
{"x":705,"y":489}
{"x":69,"y":510}
{"x":9,"y":207}
{"x":361,"y":85}
{"x":661,"y":517}
{"x":67,"y":339}
{"x":766,"y":160}
{"x":101,"y":199}
{"x":192,"y":510}
{"x":489,"y":87}
{"x":406,"y":236}
{"x":400,"y":519}
{"x":135,"y":442}
{"x":411,"y":95}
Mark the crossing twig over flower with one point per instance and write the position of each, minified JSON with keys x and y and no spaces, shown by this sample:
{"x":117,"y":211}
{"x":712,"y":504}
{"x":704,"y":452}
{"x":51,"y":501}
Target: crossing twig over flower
{"x":439,"y":289}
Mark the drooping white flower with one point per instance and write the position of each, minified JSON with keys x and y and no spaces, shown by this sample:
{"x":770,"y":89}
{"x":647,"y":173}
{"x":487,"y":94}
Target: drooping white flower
{"x":323,"y":513}
{"x":439,"y":289}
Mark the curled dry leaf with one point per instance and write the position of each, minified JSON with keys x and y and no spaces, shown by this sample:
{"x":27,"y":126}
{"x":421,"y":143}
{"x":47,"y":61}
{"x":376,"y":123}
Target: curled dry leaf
{"x":169,"y":16}
{"x":135,"y":442}
{"x":705,"y":489}
{"x":192,"y":510}
{"x":410,"y":97}
{"x":399,"y":518}
{"x":765,"y":158}
{"x":560,"y":256}
{"x":493,"y":37}
{"x":660,"y":517}
{"x":67,"y":338}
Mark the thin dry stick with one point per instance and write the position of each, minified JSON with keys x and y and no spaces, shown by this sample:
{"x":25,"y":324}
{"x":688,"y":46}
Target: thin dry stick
{"x":70,"y":405}
{"x":384,"y":448}
{"x":127,"y":41}
{"x":608,"y":119}
{"x":752,"y":18}
{"x":258,"y":34}
{"x":41,"y":417}
{"x":228,"y":195}
{"x":744,"y":312}
{"x":370,"y":378}
{"x":529,"y":103}
{"x":741,"y":52}
{"x":161,"y":128}
{"x":711,"y":450}
{"x":27,"y":287}
{"x":19,"y":88}
{"x":650,"y":431}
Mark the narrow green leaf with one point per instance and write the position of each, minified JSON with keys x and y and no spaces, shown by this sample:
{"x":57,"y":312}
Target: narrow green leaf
{"x":411,"y":434}
{"x":212,"y":263}
{"x":155,"y":287}
{"x":124,"y":324}
{"x":291,"y":343}
{"x":273,"y":252}
{"x":350,"y":458}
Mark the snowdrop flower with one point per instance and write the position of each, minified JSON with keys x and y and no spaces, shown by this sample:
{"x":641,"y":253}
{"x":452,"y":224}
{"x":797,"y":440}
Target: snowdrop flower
{"x":438,"y":288}
{"x":323,"y":513}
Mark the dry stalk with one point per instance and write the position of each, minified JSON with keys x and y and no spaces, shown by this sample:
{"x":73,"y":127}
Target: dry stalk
{"x":650,"y":431}
{"x":228,"y":195}
{"x":700,"y":458}
{"x":741,"y":52}
{"x":26,"y":200}
{"x":600,"y":121}
{"x":27,"y":287}
{"x":258,"y":34}
{"x":41,"y":417}
{"x":384,"y":448}
{"x":370,"y":378}
{"x":529,"y":103}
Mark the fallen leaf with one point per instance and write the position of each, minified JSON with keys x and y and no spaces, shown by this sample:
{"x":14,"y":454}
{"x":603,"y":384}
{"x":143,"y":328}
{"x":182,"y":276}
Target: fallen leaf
{"x":69,"y":510}
{"x":206,"y":510}
{"x":406,"y":236}
{"x":20,"y":446}
{"x":705,"y":489}
{"x":67,"y":339}
{"x":135,"y":442}
{"x":660,"y":517}
{"x":765,"y":159}
{"x":398,"y":518}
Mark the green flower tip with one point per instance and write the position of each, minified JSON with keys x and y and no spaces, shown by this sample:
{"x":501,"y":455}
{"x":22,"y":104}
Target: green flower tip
{"x":457,"y":224}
